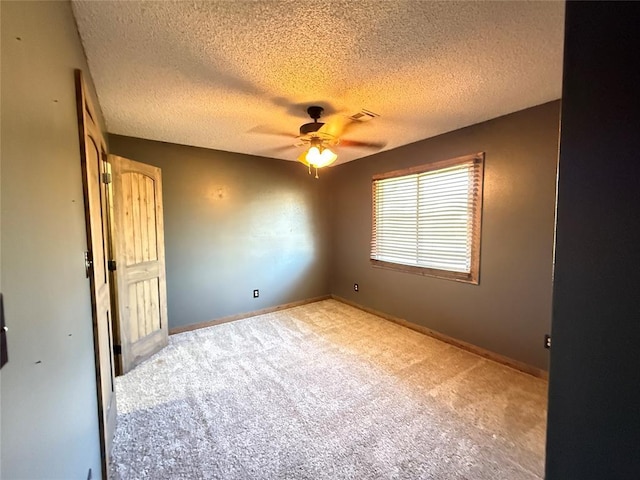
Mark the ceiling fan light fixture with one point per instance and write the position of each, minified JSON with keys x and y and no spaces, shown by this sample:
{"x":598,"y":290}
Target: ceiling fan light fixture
{"x":327,"y":157}
{"x":319,"y":157}
{"x":313,"y":155}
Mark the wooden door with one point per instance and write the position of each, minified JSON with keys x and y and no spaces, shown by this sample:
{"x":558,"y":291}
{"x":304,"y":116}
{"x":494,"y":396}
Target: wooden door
{"x":139,"y":261}
{"x":93,"y":156}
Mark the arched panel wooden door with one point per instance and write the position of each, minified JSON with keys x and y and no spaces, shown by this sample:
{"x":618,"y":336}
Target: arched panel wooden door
{"x":139,"y":261}
{"x":95,"y":173}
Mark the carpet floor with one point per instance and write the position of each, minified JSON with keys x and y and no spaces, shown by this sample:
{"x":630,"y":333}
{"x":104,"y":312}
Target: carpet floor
{"x":325,"y":391}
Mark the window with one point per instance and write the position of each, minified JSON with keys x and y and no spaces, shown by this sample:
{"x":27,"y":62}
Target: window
{"x":427,"y":219}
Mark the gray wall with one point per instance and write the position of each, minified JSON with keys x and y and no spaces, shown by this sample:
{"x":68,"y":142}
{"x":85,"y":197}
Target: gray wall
{"x":235,"y":223}
{"x":594,"y":385}
{"x":49,"y":426}
{"x":509,"y":311}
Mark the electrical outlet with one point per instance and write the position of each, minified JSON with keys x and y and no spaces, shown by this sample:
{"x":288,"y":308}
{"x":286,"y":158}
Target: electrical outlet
{"x":355,"y":287}
{"x":256,"y":293}
{"x":547,"y":341}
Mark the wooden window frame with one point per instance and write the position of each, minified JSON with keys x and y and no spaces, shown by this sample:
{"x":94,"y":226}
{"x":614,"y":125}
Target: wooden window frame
{"x":473,"y":276}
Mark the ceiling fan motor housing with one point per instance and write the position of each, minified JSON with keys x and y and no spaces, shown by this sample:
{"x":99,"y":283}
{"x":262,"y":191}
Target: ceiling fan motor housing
{"x":315,"y":112}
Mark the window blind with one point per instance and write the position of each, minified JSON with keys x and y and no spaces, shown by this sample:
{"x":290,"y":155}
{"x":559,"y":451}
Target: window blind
{"x":428,"y":218}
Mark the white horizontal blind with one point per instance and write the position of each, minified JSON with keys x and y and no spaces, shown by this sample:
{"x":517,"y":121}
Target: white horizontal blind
{"x":395,"y":235}
{"x":426,"y":219}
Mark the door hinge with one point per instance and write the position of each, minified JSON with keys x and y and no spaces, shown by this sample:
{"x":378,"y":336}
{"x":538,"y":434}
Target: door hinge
{"x":117,"y":349}
{"x":106,"y":177}
{"x":88,"y":263}
{"x":111,"y":265}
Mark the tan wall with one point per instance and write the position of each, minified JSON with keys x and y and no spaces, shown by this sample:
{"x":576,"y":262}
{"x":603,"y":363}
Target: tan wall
{"x":510,"y":310}
{"x":49,"y":426}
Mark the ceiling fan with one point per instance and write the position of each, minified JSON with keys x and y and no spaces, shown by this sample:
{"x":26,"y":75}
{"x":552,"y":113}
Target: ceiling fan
{"x":320,"y":138}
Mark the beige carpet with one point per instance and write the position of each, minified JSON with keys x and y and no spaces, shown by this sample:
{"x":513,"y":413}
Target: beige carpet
{"x":325,"y":391}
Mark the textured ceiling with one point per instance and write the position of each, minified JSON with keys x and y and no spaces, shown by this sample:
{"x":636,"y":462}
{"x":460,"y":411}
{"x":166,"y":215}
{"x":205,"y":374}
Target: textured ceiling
{"x":220,"y":74}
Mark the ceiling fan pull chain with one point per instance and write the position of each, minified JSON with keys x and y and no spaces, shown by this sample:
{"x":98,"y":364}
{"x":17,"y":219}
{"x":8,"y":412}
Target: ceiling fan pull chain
{"x":316,"y":173}
{"x":309,"y":169}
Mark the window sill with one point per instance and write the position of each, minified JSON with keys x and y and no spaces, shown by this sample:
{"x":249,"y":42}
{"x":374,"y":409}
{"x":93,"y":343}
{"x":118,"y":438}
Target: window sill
{"x":427,"y":272}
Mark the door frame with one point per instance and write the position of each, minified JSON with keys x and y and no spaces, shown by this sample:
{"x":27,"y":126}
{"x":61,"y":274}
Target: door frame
{"x":86,"y":116}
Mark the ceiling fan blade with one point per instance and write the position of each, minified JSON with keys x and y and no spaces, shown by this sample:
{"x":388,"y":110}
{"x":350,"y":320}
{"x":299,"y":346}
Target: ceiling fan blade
{"x":337,"y":126}
{"x":266,"y":130}
{"x":299,"y":109}
{"x":354,"y":143}
{"x":280,"y":149}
